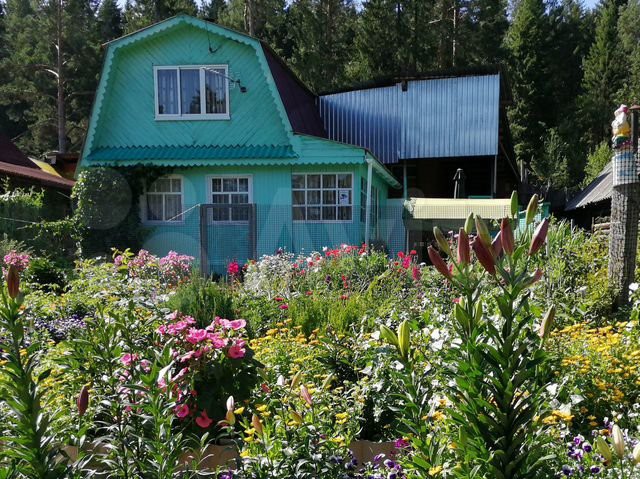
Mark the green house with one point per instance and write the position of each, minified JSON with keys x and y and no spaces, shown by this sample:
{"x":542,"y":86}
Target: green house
{"x":251,"y":168}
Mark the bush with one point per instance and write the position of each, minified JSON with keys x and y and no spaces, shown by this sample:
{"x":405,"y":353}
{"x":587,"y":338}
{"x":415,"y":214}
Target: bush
{"x":43,"y":273}
{"x":203,"y":299}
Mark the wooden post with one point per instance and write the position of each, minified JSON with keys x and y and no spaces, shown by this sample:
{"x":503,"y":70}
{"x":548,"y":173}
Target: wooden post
{"x":625,"y":211}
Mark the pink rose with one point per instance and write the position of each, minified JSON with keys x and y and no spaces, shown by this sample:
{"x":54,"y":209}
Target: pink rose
{"x":284,"y":306}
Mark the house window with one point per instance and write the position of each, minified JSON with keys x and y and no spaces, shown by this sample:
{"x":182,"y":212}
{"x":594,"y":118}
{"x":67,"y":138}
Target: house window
{"x":192,"y":92}
{"x":163,"y":200}
{"x":232,"y":195}
{"x":322,"y":197}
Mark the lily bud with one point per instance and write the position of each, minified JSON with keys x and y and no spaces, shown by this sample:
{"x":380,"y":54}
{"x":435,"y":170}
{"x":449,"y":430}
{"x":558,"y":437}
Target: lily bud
{"x":230,"y":417}
{"x":532,"y":209}
{"x":438,"y":262}
{"x":506,"y":235}
{"x":514,"y":204}
{"x":442,"y":241}
{"x":484,"y":256}
{"x":539,"y":237}
{"x":296,"y":380}
{"x":547,"y":323}
{"x":603,"y":449}
{"x":496,"y":245}
{"x":404,"y":339}
{"x":618,"y":440}
{"x":534,"y":278}
{"x":304,"y":393}
{"x":83,"y":401}
{"x":280,"y":382}
{"x":464,"y":256}
{"x":231,"y":403}
{"x":483,"y":231}
{"x":326,"y":384}
{"x":13,"y":282}
{"x":636,"y":454}
{"x":468,"y":224}
{"x":388,"y":335}
{"x":297,"y":418}
{"x":257,"y":425}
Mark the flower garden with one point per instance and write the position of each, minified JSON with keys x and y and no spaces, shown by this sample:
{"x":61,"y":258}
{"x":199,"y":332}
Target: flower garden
{"x":502,"y":359}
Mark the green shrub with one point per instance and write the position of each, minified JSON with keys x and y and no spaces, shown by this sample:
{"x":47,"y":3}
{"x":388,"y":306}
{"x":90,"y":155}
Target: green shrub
{"x":43,"y":273}
{"x":203,"y":299}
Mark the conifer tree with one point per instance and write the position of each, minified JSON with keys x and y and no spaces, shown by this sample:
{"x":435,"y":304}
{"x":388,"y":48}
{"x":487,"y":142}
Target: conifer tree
{"x":110,"y":20}
{"x":629,"y":34}
{"x":142,"y":13}
{"x":604,"y":70}
{"x":527,"y":48}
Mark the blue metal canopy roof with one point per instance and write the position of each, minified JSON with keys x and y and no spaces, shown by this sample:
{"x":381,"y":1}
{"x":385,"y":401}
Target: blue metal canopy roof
{"x":428,"y":118}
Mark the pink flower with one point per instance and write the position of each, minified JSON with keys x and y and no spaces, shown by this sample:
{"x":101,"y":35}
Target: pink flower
{"x":233,"y":268}
{"x":401,"y":443}
{"x":182,"y":411}
{"x":145,"y":364}
{"x":236,"y":352}
{"x":284,"y":306}
{"x":216,"y":341}
{"x":204,"y":421}
{"x":196,"y":336}
{"x":128,"y":359}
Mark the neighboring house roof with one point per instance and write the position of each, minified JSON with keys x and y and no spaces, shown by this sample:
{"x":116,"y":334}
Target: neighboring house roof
{"x":298,"y":100}
{"x":456,"y":209}
{"x":598,"y":190}
{"x":434,"y":117}
{"x":10,"y":153}
{"x":35,"y":175}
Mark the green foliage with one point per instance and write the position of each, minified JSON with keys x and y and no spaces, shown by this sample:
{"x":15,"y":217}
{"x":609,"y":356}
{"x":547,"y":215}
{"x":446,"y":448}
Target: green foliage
{"x":203,"y":299}
{"x":45,"y":274}
{"x":552,"y":166}
{"x":598,"y":158}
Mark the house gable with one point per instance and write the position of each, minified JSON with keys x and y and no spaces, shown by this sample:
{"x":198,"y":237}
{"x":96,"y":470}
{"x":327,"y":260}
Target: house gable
{"x":123,"y":116}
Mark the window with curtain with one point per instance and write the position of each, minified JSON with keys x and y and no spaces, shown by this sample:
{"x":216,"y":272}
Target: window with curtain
{"x":193,"y":92}
{"x":322,"y":197}
{"x":163,"y":200}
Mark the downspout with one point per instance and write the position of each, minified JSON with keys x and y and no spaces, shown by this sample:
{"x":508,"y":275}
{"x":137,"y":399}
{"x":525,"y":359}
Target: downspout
{"x":367,"y":221}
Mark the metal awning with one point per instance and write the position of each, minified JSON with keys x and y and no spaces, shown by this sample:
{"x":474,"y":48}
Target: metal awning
{"x":455,"y":209}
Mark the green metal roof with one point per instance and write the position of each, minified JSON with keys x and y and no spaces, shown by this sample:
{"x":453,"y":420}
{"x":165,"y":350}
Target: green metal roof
{"x":199,"y":154}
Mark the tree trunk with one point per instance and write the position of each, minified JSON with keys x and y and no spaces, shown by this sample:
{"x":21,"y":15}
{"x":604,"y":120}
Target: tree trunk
{"x":62,"y":125}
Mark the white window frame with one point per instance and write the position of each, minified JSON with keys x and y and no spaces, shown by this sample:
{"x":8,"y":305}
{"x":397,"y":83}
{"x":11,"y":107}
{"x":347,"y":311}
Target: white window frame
{"x":321,"y":204}
{"x":210,"y":194}
{"x":144,"y":209}
{"x":203,"y":97}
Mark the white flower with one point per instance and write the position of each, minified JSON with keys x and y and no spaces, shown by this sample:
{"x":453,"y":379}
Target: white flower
{"x":633,"y":286}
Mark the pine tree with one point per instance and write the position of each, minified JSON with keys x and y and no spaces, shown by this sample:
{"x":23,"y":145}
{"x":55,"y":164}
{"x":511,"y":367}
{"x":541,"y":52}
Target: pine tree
{"x":629,"y":33}
{"x":264,"y":19}
{"x":110,"y":21}
{"x":527,"y":48}
{"x":604,"y":70}
{"x":142,"y":13}
{"x":322,"y":32}
{"x":481,"y":32}
{"x":212,"y":9}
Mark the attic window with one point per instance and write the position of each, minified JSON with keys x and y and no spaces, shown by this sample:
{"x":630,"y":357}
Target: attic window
{"x":179,"y":92}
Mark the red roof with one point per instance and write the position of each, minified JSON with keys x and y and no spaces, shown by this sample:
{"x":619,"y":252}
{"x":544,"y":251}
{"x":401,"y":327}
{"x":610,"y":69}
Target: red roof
{"x":10,"y":153}
{"x":36,"y":175}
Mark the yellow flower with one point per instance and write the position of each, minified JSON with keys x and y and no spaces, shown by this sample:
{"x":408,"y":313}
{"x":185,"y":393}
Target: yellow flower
{"x":239,"y":411}
{"x":434,"y":471}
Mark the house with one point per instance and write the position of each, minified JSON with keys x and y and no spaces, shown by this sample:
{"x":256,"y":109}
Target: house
{"x":21,"y":171}
{"x":594,"y":201}
{"x":249,"y":167}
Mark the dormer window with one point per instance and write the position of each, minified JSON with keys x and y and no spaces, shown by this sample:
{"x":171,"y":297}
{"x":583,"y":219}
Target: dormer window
{"x":192,"y":92}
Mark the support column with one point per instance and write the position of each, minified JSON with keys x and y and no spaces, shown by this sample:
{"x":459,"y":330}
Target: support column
{"x":625,"y":212}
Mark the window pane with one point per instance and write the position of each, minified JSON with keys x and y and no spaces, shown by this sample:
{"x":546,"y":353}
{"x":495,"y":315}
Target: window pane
{"x":220,"y":199}
{"x":329,"y":197}
{"x":172,"y":208}
{"x":240,"y":213}
{"x":239,"y":199}
{"x":313,"y":213}
{"x":216,"y":90}
{"x":344,"y":181}
{"x":221,"y":214}
{"x":154,"y":207}
{"x":297,"y":181}
{"x":163,"y":185}
{"x":329,"y":213}
{"x":298,"y":213}
{"x":344,"y":213}
{"x":313,"y":197}
{"x":344,"y":197}
{"x":167,"y":92}
{"x":176,"y":185}
{"x":313,"y":181}
{"x":229,"y":184}
{"x":190,"y":91}
{"x":328,"y":181}
{"x":243,"y":184}
{"x":298,"y":197}
{"x":216,"y":185}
